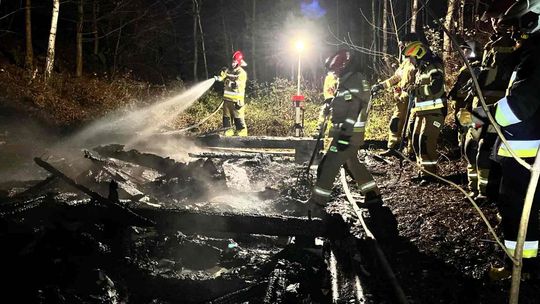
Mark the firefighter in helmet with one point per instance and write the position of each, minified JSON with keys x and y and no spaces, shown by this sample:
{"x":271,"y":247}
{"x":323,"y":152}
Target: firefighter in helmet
{"x":348,"y":116}
{"x":461,"y":91}
{"x":495,"y":71}
{"x":518,"y":114}
{"x":401,"y":81}
{"x":234,"y":87}
{"x":429,"y":108}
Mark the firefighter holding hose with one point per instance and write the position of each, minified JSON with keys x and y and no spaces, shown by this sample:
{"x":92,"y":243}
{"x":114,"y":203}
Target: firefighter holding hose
{"x":348,"y":116}
{"x":234,"y":88}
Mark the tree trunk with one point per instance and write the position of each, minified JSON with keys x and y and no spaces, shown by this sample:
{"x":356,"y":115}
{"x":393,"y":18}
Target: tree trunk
{"x":29,"y":58}
{"x":95,"y":12}
{"x":414,"y":17}
{"x":253,"y":40}
{"x":462,"y":17}
{"x":385,"y":26}
{"x":202,"y":42}
{"x":374,"y":30}
{"x":225,"y":35}
{"x":80,"y":25}
{"x":195,"y":41}
{"x":447,"y":44}
{"x":52,"y":39}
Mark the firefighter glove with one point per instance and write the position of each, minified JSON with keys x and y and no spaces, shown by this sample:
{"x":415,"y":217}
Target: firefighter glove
{"x":376,"y":88}
{"x":238,"y":105}
{"x":327,"y":106}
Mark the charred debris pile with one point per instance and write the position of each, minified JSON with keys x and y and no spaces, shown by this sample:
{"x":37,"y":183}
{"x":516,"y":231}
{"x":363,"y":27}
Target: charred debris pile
{"x":121,"y":226}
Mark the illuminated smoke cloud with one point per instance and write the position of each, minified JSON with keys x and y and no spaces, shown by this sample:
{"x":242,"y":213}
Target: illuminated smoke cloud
{"x":312,"y":9}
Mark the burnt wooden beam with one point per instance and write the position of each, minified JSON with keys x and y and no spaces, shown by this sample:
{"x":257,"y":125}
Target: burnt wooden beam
{"x":119,"y":210}
{"x":189,"y":221}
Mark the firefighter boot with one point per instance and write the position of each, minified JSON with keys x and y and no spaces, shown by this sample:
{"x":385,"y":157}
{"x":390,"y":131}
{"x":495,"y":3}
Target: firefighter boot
{"x":227,"y":124}
{"x":372,"y":199}
{"x":241,"y":128}
{"x":499,"y":273}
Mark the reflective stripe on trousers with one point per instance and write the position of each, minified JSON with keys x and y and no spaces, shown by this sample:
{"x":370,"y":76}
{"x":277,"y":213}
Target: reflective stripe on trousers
{"x":530,"y":248}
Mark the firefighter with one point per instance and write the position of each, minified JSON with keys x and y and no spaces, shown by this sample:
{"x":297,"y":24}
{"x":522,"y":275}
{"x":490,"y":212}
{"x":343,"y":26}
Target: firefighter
{"x":496,"y":69}
{"x":401,"y":81}
{"x":234,"y":87}
{"x":348,"y":117}
{"x":462,"y":87}
{"x":429,"y":106}
{"x":518,"y":114}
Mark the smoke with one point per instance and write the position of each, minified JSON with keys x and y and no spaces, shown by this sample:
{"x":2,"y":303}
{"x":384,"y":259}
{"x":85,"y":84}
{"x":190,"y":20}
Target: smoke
{"x":139,"y":125}
{"x":312,"y":9}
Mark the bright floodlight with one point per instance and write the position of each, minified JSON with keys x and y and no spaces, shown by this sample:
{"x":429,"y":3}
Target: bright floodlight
{"x":299,"y":45}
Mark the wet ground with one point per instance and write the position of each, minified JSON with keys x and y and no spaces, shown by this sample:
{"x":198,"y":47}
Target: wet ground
{"x":56,"y":249}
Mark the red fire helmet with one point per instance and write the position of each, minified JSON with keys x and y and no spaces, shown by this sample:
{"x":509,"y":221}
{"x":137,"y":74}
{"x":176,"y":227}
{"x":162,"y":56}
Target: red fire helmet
{"x":339,"y":62}
{"x":238,"y":59}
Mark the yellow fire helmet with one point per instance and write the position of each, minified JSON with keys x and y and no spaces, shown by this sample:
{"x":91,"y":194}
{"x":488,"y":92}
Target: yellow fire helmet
{"x":415,"y":49}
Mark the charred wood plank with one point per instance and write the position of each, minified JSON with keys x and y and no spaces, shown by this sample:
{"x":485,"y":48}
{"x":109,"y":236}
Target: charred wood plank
{"x":189,"y":221}
{"x":121,"y":211}
{"x":303,"y":146}
{"x":163,"y":164}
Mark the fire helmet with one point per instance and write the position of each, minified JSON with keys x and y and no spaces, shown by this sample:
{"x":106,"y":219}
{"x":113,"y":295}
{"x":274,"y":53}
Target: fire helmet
{"x":524,"y":15}
{"x":238,"y":59}
{"x":415,"y":49}
{"x":340,"y":63}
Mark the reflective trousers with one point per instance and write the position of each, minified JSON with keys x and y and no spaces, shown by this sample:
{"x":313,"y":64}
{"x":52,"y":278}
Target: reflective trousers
{"x":513,"y":188}
{"x":233,"y":113}
{"x":397,"y":122}
{"x":331,"y":164}
{"x":426,"y":130}
{"x":483,"y":174}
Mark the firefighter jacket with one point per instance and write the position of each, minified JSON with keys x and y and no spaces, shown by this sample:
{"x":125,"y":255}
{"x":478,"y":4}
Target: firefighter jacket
{"x":330,"y":86}
{"x":352,"y":97}
{"x":429,"y":86}
{"x":463,"y":86}
{"x":402,"y":79}
{"x":497,"y":67}
{"x":518,"y":113}
{"x":234,"y":85}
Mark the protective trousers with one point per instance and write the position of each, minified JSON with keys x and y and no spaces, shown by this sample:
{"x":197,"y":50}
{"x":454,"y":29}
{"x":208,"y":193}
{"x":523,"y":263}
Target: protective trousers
{"x":426,"y":130}
{"x":513,"y":188}
{"x":483,"y":173}
{"x":231,"y":111}
{"x":331,"y":164}
{"x":397,"y":122}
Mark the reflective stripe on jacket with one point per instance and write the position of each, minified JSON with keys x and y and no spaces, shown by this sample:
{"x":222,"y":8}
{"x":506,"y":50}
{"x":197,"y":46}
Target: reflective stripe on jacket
{"x":429,"y":93}
{"x":234,"y":85}
{"x":518,"y":113}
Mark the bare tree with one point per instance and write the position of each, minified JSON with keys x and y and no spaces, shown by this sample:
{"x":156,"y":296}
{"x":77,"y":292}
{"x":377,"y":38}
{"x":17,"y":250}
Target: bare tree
{"x":414,"y":15}
{"x":52,"y":39}
{"x":202,"y":41}
{"x":225,"y":33}
{"x":195,"y":40}
{"x":374,"y":29}
{"x":385,"y":26}
{"x":253,"y":40}
{"x":95,"y":12}
{"x":29,"y":58}
{"x":80,"y":23}
{"x":448,"y":23}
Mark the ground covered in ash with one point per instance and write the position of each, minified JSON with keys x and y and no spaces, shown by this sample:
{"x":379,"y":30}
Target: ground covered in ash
{"x":59,"y":246}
